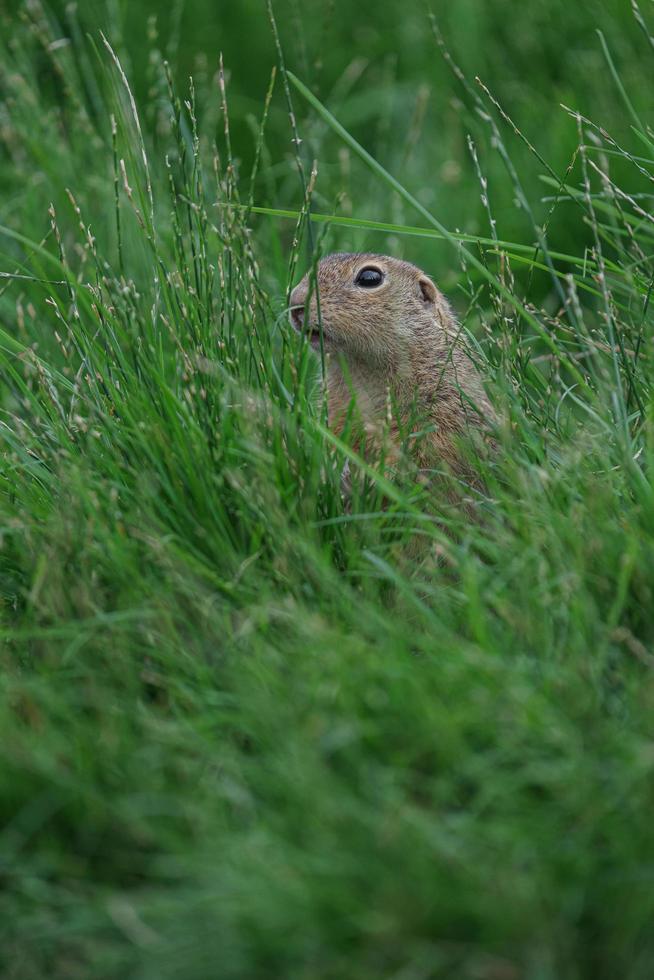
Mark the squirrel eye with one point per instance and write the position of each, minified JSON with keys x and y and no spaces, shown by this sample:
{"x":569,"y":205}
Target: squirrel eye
{"x":369,"y":277}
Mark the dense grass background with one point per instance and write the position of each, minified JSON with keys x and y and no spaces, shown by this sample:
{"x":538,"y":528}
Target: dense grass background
{"x":245,"y":731}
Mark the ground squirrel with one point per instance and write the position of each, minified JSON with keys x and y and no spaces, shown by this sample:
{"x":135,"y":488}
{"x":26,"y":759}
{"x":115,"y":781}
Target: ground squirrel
{"x":392,"y":341}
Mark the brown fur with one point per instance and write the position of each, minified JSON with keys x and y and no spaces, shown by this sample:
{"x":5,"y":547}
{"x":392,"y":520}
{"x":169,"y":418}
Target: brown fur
{"x":398,"y":348}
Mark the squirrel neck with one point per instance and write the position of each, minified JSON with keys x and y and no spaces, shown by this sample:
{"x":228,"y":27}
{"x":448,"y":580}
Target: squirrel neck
{"x":379,"y":388}
{"x":349,"y":378}
{"x":402,"y":376}
{"x":428,"y":378}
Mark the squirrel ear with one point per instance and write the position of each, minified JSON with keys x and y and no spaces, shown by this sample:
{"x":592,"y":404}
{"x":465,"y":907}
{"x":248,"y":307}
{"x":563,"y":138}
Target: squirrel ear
{"x":427,"y":291}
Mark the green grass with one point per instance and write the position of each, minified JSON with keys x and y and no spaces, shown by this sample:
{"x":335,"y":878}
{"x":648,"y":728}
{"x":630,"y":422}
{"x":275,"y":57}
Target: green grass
{"x":246,"y":730}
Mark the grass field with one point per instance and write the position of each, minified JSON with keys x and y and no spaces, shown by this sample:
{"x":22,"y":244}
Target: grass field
{"x":247,"y":731}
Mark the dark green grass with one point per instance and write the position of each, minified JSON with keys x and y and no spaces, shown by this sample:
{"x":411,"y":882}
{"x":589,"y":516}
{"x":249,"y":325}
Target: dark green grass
{"x":245,"y":730}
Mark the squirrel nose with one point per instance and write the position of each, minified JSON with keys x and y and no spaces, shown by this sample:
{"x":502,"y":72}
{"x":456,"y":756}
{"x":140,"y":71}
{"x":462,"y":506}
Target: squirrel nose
{"x":297,"y":317}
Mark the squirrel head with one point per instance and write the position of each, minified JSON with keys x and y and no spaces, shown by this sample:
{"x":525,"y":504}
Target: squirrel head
{"x":369,"y":307}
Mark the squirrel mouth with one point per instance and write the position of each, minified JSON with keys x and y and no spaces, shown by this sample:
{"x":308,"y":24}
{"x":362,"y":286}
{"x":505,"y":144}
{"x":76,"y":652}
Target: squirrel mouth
{"x":313,"y":335}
